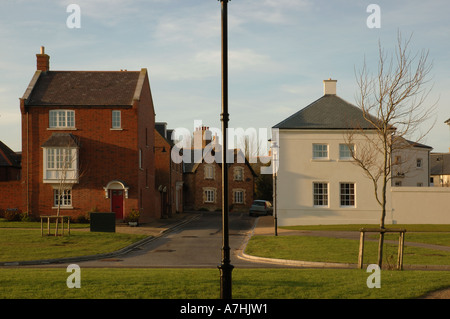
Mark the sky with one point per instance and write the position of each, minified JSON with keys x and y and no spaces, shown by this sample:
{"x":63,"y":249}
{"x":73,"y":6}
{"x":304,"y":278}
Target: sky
{"x":280,"y":51}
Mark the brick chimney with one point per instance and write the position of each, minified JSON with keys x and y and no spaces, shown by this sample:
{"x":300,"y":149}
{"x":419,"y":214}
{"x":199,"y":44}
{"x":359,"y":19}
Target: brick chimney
{"x":43,"y":61}
{"x":329,"y":87}
{"x":202,"y":137}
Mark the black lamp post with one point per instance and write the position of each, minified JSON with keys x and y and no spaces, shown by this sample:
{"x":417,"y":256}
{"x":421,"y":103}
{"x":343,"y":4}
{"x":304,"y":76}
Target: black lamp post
{"x":274,"y":172}
{"x":225,"y":267}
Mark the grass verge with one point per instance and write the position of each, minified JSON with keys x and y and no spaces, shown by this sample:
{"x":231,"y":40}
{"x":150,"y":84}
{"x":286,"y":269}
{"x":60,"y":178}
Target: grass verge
{"x":27,"y":244}
{"x":324,"y":249}
{"x":204,"y":284}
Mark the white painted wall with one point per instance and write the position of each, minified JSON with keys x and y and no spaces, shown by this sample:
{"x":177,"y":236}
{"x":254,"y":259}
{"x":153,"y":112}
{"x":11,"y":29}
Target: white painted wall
{"x":420,"y":205}
{"x":298,"y":171}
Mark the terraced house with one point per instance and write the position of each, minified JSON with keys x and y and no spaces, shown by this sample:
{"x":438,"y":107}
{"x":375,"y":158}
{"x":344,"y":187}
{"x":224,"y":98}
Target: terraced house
{"x":88,"y":142}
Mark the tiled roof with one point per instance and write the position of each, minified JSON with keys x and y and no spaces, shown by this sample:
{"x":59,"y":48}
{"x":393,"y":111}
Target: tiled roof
{"x":61,"y":140}
{"x":328,"y":112}
{"x":84,"y":88}
{"x":440,"y":164}
{"x":8,"y":157}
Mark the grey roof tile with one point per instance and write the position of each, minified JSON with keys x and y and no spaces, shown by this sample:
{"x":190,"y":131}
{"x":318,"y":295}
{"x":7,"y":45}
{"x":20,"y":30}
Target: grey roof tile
{"x":327,"y":112}
{"x":84,"y":88}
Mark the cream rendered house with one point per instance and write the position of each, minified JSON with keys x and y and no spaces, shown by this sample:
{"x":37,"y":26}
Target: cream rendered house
{"x":317,"y":181}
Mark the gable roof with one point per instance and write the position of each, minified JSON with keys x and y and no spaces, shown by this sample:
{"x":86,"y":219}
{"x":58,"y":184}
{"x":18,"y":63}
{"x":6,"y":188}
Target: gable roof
{"x":84,"y":88}
{"x":8,"y":157}
{"x":328,"y":112}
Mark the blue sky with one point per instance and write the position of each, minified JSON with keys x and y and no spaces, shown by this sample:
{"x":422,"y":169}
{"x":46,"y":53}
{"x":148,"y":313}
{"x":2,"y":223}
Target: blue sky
{"x":279,"y":53}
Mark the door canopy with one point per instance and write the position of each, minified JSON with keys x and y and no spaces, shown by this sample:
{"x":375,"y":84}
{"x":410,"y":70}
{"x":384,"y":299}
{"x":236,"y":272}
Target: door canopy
{"x":116,"y":184}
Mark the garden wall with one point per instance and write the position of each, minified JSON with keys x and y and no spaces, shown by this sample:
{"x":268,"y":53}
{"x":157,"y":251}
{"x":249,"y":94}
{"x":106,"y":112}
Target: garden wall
{"x":11,"y":195}
{"x":420,"y":205}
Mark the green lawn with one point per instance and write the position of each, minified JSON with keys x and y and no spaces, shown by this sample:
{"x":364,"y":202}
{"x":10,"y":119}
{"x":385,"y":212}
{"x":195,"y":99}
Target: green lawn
{"x":28,"y":244}
{"x":29,"y":283}
{"x":20,"y":224}
{"x":324,"y":249}
{"x":357,"y":227}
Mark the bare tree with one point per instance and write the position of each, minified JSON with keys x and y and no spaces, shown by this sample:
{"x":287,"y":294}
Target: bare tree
{"x":393,"y":103}
{"x":69,"y":172}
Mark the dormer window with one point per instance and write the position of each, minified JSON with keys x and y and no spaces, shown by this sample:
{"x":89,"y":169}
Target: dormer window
{"x":62,"y":119}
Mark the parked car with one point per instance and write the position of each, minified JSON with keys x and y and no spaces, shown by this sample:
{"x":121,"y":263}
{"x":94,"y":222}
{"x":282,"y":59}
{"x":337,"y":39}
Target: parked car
{"x":261,"y":207}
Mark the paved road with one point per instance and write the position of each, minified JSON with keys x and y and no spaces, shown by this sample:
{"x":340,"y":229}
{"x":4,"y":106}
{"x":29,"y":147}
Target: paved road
{"x":196,"y":244}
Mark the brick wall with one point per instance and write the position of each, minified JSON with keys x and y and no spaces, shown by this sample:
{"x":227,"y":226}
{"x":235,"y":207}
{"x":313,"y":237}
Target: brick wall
{"x":104,"y":155}
{"x":11,"y":195}
{"x":197,"y":184}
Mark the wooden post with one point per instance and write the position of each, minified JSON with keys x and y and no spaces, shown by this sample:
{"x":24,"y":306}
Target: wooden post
{"x":361,"y":250}
{"x":62,"y":226}
{"x":401,"y":243}
{"x":48,"y":225}
{"x":42,"y":228}
{"x":68,"y":225}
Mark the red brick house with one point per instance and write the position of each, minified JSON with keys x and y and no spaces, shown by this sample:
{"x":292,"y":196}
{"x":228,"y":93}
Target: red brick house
{"x":11,"y":187}
{"x":168,"y":174}
{"x":203,"y":177}
{"x":9,"y":164}
{"x":93,"y":132}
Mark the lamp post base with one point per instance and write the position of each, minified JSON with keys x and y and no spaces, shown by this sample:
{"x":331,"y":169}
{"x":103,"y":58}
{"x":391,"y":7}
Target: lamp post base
{"x":225,"y":280}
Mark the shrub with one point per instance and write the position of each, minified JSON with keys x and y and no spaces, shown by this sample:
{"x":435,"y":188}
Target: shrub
{"x":81,"y":219}
{"x":26,"y":218}
{"x":133,"y":216}
{"x":12,"y":214}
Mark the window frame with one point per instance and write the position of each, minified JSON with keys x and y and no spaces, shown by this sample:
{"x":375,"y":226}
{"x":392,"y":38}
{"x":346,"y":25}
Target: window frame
{"x":210,"y":195}
{"x":67,"y":198}
{"x":54,"y":159}
{"x":60,"y":119}
{"x":347,"y":199}
{"x":238,"y":196}
{"x":419,"y":163}
{"x":209,"y":171}
{"x":316,"y":152}
{"x":116,"y":123}
{"x":321,"y":197}
{"x":238,"y":174}
{"x":346,"y":154}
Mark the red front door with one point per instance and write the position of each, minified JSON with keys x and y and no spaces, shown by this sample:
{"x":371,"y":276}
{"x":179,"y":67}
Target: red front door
{"x":117,"y":203}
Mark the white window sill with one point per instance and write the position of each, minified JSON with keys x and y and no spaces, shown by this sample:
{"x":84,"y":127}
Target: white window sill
{"x":116,"y":129}
{"x":63,"y":207}
{"x":61,"y":129}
